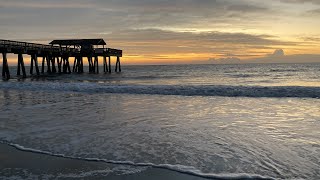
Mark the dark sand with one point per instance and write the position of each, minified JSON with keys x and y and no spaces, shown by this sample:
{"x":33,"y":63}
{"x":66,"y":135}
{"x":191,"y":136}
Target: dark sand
{"x":27,"y":165}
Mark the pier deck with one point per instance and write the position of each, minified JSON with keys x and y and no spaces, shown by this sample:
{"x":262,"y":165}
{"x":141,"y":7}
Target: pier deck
{"x":56,"y":56}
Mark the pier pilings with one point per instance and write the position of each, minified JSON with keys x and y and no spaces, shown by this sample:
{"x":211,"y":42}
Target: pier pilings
{"x":5,"y":67}
{"x":56,"y":59}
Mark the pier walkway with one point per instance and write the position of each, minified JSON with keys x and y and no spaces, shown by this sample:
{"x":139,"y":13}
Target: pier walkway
{"x":57,"y":54}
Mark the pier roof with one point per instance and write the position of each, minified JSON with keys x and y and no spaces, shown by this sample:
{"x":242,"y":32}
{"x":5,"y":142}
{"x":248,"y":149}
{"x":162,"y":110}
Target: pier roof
{"x":79,"y":42}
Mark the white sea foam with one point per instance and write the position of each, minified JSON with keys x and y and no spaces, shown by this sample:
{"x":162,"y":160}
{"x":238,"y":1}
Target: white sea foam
{"x":183,"y":90}
{"x":178,"y":168}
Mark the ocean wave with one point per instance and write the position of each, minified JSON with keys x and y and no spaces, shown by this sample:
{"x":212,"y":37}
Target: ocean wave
{"x":286,"y":70}
{"x":177,"y":168}
{"x":242,"y":75}
{"x":183,"y":90}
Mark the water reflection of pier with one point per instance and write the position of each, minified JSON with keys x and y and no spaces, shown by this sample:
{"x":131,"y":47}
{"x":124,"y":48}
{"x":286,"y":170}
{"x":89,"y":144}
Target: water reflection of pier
{"x":56,"y":56}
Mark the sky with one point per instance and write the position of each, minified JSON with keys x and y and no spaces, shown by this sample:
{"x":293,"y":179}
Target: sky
{"x":174,"y":31}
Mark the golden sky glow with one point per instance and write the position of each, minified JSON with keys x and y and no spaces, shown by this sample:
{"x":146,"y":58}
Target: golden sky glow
{"x":177,"y":31}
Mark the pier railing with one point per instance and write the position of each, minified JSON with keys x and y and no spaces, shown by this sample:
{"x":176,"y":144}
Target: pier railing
{"x":26,"y":46}
{"x":17,"y":45}
{"x":109,"y":51}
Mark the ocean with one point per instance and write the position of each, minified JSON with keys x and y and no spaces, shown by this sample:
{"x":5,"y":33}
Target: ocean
{"x":213,"y":121}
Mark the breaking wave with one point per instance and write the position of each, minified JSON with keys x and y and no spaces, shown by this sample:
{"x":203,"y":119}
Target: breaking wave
{"x":182,"y":90}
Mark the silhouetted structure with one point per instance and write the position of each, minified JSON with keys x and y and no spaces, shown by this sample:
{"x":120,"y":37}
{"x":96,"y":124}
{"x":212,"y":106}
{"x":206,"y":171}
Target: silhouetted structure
{"x":59,"y":52}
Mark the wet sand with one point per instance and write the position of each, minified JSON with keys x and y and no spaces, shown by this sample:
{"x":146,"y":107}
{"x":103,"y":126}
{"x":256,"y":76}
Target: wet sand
{"x":17,"y":164}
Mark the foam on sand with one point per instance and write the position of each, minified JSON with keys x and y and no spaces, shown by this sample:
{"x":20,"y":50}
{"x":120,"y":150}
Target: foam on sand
{"x":178,"y":168}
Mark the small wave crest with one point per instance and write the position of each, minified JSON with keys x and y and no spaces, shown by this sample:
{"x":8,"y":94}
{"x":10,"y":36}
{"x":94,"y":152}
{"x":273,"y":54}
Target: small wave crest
{"x":178,"y":168}
{"x":183,"y":90}
{"x":286,"y":70}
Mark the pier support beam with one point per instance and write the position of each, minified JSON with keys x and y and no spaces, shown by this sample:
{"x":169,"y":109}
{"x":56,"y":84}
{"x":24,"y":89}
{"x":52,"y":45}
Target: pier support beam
{"x":118,"y":65}
{"x":90,"y":64}
{"x":21,"y":66}
{"x":75,"y":64}
{"x":49,"y":60}
{"x":105,"y":65}
{"x":66,"y":65}
{"x":31,"y":65}
{"x":53,"y":64}
{"x":48,"y":64}
{"x":59,"y":61}
{"x":96,"y":65}
{"x":5,"y":67}
{"x":81,"y":64}
{"x":42,"y":66}
{"x":34,"y":62}
{"x":109,"y":64}
{"x":78,"y":64}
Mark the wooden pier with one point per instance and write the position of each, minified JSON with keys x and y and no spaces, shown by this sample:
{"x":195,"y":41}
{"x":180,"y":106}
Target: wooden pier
{"x":56,"y":56}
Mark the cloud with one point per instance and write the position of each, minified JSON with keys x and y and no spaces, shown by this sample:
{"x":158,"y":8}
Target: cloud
{"x":165,"y":28}
{"x":85,"y":16}
{"x":278,"y":56}
{"x":315,"y":38}
{"x":277,"y":53}
{"x":152,"y":35}
{"x":301,"y":1}
{"x":315,"y":12}
{"x":297,"y":58}
{"x":46,"y":4}
{"x":164,"y":41}
{"x":110,"y":14}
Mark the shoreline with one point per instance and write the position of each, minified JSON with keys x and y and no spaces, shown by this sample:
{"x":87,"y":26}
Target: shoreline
{"x":20,"y":164}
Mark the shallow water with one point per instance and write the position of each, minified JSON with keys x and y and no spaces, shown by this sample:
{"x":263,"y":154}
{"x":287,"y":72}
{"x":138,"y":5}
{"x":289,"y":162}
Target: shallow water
{"x":214,"y":121}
